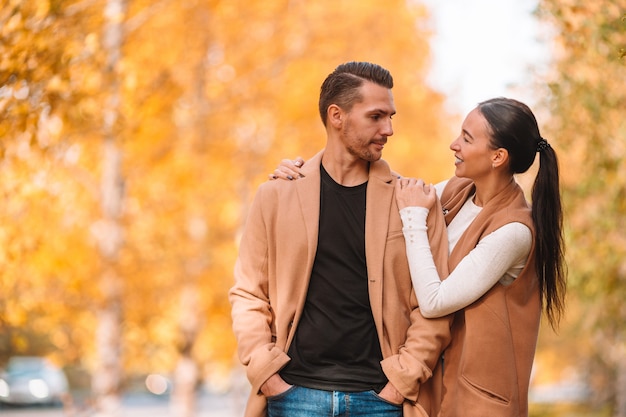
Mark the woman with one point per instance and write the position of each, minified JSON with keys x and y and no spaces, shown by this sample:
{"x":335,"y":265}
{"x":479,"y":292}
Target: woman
{"x":506,"y":258}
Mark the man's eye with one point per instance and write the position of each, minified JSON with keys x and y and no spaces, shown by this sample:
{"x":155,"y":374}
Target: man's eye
{"x":376,"y":117}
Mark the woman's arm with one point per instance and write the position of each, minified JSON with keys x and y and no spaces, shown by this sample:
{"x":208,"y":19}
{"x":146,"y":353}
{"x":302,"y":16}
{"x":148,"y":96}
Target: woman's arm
{"x":478,"y":272}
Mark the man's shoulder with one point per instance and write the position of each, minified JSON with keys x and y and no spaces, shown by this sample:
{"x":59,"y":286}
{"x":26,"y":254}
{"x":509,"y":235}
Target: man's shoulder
{"x":382,"y":170}
{"x":280,"y":189}
{"x":275,"y":187}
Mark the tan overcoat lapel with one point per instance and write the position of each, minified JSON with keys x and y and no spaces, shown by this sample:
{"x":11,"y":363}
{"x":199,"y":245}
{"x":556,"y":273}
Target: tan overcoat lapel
{"x":309,"y":196}
{"x":308,"y":189}
{"x":380,"y":195}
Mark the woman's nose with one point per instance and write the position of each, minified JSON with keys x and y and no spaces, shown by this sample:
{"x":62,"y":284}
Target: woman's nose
{"x":455,"y":144}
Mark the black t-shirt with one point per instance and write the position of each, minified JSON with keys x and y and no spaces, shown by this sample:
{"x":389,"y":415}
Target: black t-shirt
{"x":336,"y":346}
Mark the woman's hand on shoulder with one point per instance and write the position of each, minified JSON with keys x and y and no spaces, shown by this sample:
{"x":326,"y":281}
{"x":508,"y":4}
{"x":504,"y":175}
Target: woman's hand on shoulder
{"x":288,"y":169}
{"x":412,"y":192}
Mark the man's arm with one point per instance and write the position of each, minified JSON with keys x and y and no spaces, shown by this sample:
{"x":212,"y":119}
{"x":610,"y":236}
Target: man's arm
{"x":251,"y":310}
{"x":416,"y":360}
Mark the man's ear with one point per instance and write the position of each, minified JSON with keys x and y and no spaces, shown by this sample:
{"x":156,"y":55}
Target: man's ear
{"x":335,"y":116}
{"x":500,"y":157}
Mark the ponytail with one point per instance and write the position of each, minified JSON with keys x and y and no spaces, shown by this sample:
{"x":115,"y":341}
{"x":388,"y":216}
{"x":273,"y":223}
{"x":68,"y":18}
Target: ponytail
{"x":514,"y":127}
{"x":547,"y":216}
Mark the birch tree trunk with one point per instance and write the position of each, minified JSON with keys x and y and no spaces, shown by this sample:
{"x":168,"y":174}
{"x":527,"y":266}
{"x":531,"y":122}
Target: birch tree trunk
{"x":186,"y":374}
{"x":108,"y":230}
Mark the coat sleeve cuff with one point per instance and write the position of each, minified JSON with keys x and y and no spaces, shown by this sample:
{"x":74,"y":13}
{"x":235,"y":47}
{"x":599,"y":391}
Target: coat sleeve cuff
{"x":263,"y":364}
{"x":401,"y":372}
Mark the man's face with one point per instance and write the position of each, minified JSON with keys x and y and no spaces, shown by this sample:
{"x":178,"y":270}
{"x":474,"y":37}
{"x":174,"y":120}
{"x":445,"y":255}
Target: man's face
{"x":368,"y":124}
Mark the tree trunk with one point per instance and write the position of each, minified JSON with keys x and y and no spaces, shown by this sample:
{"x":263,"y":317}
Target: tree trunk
{"x":108,"y":230}
{"x":186,"y":375}
{"x":191,"y":132}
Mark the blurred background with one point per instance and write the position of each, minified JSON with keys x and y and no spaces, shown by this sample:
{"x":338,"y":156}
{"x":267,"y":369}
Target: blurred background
{"x":133,"y":134}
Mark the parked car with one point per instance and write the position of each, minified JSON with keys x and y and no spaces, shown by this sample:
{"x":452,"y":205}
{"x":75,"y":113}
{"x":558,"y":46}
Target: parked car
{"x":32,"y":380}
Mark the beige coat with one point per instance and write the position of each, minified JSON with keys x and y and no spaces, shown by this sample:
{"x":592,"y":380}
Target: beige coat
{"x":272,"y":274}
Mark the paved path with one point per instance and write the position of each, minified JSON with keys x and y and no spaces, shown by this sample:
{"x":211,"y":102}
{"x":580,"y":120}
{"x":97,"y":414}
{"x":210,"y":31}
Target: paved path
{"x":208,"y":406}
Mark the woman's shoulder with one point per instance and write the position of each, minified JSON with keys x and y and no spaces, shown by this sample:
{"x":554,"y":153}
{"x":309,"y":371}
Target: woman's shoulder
{"x":454,"y":186}
{"x":440,"y":186}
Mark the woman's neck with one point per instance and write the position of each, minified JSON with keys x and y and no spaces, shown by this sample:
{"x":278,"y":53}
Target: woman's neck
{"x":490,"y":187}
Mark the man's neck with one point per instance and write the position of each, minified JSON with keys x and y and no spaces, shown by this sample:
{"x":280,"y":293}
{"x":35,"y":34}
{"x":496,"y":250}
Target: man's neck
{"x":348,"y":172}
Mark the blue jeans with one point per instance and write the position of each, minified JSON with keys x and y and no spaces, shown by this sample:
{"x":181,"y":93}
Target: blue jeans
{"x":305,"y":402}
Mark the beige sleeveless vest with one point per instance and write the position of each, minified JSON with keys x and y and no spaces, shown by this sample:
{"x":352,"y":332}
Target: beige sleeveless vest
{"x":487,"y":365}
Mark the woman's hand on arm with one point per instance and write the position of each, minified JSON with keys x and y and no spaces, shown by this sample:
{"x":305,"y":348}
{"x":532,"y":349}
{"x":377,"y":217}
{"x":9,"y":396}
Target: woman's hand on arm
{"x":412,"y":192}
{"x":288,"y":169}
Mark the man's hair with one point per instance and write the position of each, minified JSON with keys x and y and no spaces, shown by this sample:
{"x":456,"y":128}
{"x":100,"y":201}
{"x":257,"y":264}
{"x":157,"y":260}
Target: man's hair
{"x":341,"y":87}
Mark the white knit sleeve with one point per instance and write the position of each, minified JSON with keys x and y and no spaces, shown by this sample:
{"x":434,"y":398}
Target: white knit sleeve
{"x":479,"y":270}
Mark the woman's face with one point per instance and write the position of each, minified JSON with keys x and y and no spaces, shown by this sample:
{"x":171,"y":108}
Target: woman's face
{"x":472,"y":148}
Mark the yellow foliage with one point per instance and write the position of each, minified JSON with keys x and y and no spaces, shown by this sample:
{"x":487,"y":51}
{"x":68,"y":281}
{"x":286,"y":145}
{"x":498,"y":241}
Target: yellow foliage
{"x":587,"y":106}
{"x":212,"y":95}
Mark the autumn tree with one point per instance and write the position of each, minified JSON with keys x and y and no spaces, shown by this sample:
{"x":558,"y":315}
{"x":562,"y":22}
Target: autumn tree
{"x":47,"y":196}
{"x":587,"y":105}
{"x":107,"y":378}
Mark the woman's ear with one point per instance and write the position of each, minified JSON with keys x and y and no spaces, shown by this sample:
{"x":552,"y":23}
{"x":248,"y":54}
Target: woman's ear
{"x":500,"y":157}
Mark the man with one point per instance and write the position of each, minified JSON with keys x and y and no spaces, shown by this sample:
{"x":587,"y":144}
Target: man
{"x":323,"y":308}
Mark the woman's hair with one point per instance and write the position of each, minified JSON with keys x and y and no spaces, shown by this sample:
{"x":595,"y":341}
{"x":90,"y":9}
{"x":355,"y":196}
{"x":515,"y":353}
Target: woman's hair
{"x":514,"y":128}
{"x":341,"y":87}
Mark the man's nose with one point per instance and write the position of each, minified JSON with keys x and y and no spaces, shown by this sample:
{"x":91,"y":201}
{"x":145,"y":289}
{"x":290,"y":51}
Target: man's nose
{"x":387,"y":129}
